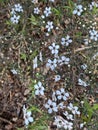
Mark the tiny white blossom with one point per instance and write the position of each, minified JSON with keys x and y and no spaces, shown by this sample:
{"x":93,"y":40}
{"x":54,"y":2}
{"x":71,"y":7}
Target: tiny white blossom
{"x":13,"y":11}
{"x":52,"y":64}
{"x":27,"y":116}
{"x":84,"y":66}
{"x":93,"y":4}
{"x":58,"y":122}
{"x":95,"y":56}
{"x":66,"y":41}
{"x":54,"y":48}
{"x":47,"y":11}
{"x":61,"y":105}
{"x":68,"y":125}
{"x":78,"y":10}
{"x":82,"y":125}
{"x":86,"y":41}
{"x":47,"y":34}
{"x":68,"y":116}
{"x":39,"y":89}
{"x":42,"y":16}
{"x":14,"y":71}
{"x":36,"y":10}
{"x":49,"y":26}
{"x":63,"y":60}
{"x":93,"y":35}
{"x":61,"y":94}
{"x":62,"y":123}
{"x":18,"y":8}
{"x":51,"y":106}
{"x":57,"y":78}
{"x":73,"y":109}
{"x":15,"y":19}
{"x":82,"y":83}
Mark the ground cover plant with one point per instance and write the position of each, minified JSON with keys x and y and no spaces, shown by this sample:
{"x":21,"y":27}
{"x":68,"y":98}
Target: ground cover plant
{"x":48,"y":65}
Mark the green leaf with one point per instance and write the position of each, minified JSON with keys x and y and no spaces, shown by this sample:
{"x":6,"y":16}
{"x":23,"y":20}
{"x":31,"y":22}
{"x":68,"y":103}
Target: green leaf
{"x":56,"y":11}
{"x":95,"y":107}
{"x":23,"y":56}
{"x":33,"y":20}
{"x":34,"y":109}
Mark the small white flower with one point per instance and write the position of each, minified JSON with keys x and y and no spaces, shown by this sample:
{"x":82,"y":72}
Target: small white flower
{"x":39,"y":89}
{"x":58,"y":122}
{"x":57,"y":78}
{"x":61,"y":105}
{"x":27,"y":116}
{"x":14,"y":71}
{"x":84,"y":66}
{"x":54,"y":48}
{"x":62,"y":123}
{"x":78,"y":10}
{"x":82,"y":125}
{"x":68,"y":116}
{"x":68,"y":125}
{"x":35,"y":63}
{"x":95,"y":56}
{"x":61,"y":94}
{"x":47,"y":34}
{"x":49,"y":26}
{"x":93,"y":4}
{"x":66,"y":41}
{"x":73,"y":109}
{"x":82,"y":83}
{"x":47,"y":11}
{"x":52,"y":64}
{"x":42,"y":16}
{"x":63,"y":60}
{"x":63,"y":41}
{"x":93,"y":35}
{"x":34,"y":1}
{"x":36,"y":10}
{"x":86,"y":41}
{"x":15,"y":19}
{"x":13,"y":11}
{"x":18,"y":8}
{"x":51,"y":106}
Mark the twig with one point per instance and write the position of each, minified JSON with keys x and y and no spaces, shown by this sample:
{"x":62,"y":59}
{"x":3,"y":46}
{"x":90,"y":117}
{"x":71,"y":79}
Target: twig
{"x":81,"y":49}
{"x":5,"y":120}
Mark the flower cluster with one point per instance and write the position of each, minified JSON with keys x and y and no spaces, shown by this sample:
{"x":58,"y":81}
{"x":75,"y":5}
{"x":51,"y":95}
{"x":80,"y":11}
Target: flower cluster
{"x":62,"y":123}
{"x":67,"y":123}
{"x":59,"y":54}
{"x":15,"y":13}
{"x":57,"y":96}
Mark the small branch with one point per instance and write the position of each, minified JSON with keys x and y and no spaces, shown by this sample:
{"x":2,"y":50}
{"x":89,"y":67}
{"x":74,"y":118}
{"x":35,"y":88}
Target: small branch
{"x":5,"y":120}
{"x":81,"y":49}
